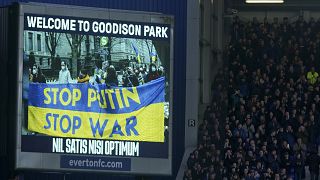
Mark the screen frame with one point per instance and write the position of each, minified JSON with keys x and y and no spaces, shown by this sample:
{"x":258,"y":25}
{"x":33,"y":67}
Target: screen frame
{"x":39,"y":161}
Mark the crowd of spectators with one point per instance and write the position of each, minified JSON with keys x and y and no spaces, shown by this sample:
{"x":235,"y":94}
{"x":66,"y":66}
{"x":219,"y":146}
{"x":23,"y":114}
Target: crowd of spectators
{"x":264,"y":119}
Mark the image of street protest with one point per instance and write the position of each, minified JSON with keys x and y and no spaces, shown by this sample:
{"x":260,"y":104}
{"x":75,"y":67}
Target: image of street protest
{"x":62,"y":58}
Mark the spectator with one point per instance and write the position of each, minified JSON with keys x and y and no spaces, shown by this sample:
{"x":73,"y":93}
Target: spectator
{"x":299,"y":167}
{"x":187,"y":175}
{"x":313,"y":160}
{"x":272,"y":117}
{"x":300,"y":147}
{"x":312,"y":76}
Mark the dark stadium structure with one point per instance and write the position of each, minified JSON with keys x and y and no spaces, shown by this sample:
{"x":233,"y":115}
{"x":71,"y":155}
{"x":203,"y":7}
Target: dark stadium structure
{"x":244,"y":88}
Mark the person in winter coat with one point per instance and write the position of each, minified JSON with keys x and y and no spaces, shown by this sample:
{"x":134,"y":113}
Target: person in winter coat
{"x":37,"y":75}
{"x":130,"y":79}
{"x":313,"y":160}
{"x":64,"y":74}
{"x":153,"y":73}
{"x":111,"y":77}
{"x":83,"y":77}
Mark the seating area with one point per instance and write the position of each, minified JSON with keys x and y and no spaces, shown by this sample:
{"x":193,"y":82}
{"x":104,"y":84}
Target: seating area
{"x":264,"y":116}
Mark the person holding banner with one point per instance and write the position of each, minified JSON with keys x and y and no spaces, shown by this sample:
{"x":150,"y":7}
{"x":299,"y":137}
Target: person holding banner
{"x":64,"y":74}
{"x":130,"y":79}
{"x":37,"y":75}
{"x":83,"y":76}
{"x":111,"y":77}
{"x":153,"y":73}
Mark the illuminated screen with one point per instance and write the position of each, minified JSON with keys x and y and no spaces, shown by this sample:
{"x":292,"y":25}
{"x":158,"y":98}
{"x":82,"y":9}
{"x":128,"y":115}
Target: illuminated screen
{"x":94,"y":89}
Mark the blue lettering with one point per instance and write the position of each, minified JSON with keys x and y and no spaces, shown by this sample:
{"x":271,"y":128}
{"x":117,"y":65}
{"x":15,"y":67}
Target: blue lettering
{"x":48,"y":115}
{"x":97,"y":127}
{"x":76,"y":124}
{"x":116,"y":129}
{"x":69,"y":123}
{"x":55,"y":121}
{"x":131,"y":122}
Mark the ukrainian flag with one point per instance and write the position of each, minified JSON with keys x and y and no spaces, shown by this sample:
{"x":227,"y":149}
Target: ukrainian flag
{"x":137,"y":53}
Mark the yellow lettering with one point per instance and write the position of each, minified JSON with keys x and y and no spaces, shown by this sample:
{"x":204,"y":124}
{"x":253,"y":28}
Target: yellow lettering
{"x":55,"y":92}
{"x":109,"y":92}
{"x":65,"y":90}
{"x":92,"y":96}
{"x":76,"y":96}
{"x":119,"y":98}
{"x":132,"y":95}
{"x":46,"y":94}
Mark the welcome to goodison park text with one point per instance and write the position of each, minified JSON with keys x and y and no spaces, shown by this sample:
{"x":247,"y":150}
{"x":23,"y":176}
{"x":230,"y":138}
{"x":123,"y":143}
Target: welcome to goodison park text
{"x":95,"y":26}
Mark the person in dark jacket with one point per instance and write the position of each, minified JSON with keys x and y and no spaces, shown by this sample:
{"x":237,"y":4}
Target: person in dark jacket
{"x":313,"y":160}
{"x":299,"y":165}
{"x":111,"y":78}
{"x":130,"y":79}
{"x":37,"y":75}
{"x":153,"y":73}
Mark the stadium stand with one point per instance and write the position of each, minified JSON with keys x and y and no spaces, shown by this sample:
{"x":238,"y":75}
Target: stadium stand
{"x":264,"y":117}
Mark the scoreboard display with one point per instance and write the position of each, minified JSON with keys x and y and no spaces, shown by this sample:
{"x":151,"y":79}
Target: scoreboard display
{"x":95,"y":90}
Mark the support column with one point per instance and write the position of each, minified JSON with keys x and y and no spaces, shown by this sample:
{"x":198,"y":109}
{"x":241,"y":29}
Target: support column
{"x":192,"y":74}
{"x":206,"y":46}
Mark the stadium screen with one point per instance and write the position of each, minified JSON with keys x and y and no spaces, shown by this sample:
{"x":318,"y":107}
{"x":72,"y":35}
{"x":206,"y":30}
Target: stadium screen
{"x":95,"y":91}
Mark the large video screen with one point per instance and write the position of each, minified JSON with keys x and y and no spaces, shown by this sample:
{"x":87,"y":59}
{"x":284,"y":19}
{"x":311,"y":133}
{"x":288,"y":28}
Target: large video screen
{"x":95,"y":90}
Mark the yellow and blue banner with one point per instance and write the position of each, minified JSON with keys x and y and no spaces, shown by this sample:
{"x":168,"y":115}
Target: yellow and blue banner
{"x":99,"y":112}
